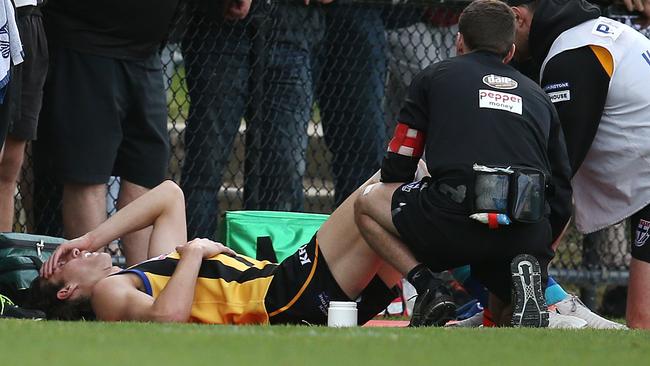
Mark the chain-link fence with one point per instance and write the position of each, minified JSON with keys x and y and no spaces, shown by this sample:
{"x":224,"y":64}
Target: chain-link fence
{"x":290,"y":109}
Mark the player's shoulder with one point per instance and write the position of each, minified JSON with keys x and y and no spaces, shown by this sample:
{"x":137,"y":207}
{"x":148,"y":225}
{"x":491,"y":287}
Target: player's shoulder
{"x":113,"y":285}
{"x":110,"y":296}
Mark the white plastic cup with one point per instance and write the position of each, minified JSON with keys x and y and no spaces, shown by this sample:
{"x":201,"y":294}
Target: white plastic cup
{"x":342,"y":314}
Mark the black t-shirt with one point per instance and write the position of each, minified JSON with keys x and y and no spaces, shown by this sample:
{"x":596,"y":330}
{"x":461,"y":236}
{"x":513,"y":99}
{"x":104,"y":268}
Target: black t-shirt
{"x":125,"y":29}
{"x":475,"y":109}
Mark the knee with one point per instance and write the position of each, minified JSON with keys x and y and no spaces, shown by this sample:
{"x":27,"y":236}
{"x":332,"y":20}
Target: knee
{"x":363,"y":205}
{"x":172,"y":189}
{"x":360,"y":206}
{"x":173,"y":192}
{"x":361,"y":211}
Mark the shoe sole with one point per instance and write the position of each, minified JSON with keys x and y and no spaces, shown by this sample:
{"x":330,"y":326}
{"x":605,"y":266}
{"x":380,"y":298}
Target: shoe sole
{"x":437,"y":316}
{"x":530,"y":308}
{"x":440,"y":314}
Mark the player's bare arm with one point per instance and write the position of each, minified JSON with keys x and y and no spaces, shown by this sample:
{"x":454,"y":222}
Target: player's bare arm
{"x":163,"y":207}
{"x":119,"y":298}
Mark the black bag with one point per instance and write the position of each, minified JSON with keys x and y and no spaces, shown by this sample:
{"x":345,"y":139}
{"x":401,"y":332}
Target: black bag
{"x":518,"y":192}
{"x":21,"y":256}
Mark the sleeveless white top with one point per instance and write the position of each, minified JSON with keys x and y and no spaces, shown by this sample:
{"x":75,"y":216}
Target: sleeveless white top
{"x":613,"y":182}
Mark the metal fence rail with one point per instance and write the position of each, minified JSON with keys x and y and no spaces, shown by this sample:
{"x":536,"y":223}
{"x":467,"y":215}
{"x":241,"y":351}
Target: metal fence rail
{"x":290,"y":109}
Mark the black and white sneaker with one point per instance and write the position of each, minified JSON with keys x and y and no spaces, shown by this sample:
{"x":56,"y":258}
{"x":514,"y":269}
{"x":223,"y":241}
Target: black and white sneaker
{"x":530,"y":308}
{"x":9,"y":310}
{"x":433,"y":308}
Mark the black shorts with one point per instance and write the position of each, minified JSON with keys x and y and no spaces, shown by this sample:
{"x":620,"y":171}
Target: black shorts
{"x":640,"y":226}
{"x":24,"y":95}
{"x":441,"y":235}
{"x":303,"y":286}
{"x":104,"y":116}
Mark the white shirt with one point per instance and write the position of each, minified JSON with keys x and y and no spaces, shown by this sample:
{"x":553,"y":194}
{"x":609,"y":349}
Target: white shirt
{"x":613,"y":181}
{"x":21,"y":3}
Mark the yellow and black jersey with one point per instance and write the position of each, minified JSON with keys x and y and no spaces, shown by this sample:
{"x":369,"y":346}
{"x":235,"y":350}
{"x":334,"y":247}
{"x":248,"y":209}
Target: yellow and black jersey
{"x":229,"y":290}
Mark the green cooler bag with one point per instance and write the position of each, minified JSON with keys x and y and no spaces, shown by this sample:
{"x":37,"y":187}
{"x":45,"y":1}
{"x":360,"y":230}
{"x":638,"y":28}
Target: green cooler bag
{"x":268,"y":235}
{"x":21,"y":256}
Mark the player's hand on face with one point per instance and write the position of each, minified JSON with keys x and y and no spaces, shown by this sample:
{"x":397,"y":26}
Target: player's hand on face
{"x":207,"y":248}
{"x":64,"y":253}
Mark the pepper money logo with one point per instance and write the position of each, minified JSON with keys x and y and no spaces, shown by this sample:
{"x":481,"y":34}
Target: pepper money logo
{"x":500,"y":82}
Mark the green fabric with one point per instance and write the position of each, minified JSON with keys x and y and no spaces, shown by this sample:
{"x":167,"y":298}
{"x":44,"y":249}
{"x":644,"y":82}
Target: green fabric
{"x":287,"y":230}
{"x":21,"y":256}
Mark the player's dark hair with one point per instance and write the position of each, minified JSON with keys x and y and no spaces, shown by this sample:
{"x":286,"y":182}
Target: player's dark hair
{"x":42,"y":296}
{"x":488,"y":25}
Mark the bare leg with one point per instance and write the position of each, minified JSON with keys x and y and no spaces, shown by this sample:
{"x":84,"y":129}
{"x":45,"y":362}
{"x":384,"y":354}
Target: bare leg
{"x":10,"y":165}
{"x":373,"y":216}
{"x":389,"y":275}
{"x":638,"y":295}
{"x":133,"y":243}
{"x":84,"y":208}
{"x":351,"y":261}
{"x":501,"y":312}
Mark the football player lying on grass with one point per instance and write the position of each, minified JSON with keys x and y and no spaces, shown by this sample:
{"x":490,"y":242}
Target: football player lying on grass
{"x":204,"y":281}
{"x":224,"y":288}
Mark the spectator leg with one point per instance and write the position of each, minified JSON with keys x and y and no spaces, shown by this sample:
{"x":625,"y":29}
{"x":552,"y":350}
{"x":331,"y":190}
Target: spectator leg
{"x":638,"y":295}
{"x":351,"y":93}
{"x":84,"y":208}
{"x":276,"y":138}
{"x":216,"y":61}
{"x":10,"y":165}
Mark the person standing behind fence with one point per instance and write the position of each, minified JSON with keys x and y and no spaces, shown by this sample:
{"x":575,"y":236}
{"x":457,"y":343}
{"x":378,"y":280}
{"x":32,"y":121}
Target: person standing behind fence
{"x":337,"y":50}
{"x":104,"y":109}
{"x":22,"y":103}
{"x":218,"y":65}
{"x":597,"y":73}
{"x":105,"y":97}
{"x":350,"y":86}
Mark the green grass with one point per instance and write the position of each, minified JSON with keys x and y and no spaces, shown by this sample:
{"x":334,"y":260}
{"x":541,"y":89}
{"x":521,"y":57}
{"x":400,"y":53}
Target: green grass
{"x":70,"y":344}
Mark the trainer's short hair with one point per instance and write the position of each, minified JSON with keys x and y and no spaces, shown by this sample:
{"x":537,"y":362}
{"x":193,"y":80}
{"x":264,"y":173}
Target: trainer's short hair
{"x":488,"y":25}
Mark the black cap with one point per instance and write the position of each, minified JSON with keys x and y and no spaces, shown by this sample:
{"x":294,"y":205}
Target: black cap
{"x":518,"y":2}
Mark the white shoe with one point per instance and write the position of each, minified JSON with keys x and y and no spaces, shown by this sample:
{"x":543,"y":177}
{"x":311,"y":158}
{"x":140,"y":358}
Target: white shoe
{"x":559,"y":321}
{"x":474,"y":321}
{"x":574,"y":307}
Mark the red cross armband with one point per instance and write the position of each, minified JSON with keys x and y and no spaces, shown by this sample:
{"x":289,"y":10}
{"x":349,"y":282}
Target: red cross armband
{"x":407,"y":141}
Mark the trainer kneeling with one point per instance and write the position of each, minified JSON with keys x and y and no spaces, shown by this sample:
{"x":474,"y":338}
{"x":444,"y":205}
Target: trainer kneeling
{"x":499,"y":184}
